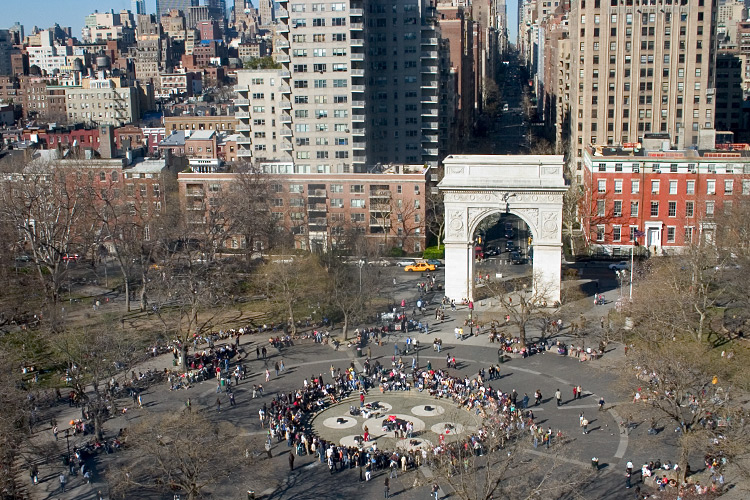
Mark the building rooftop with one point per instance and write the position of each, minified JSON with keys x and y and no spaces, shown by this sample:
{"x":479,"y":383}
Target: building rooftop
{"x":177,"y":138}
{"x":148,"y":166}
{"x":201,"y":135}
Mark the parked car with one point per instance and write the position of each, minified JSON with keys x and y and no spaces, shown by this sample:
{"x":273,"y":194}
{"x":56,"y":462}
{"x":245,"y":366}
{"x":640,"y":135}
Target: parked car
{"x":406,"y":262}
{"x":619,"y":266}
{"x":435,"y":262}
{"x":379,"y":262}
{"x":23,"y":258}
{"x":71,"y":257}
{"x":420,"y":267}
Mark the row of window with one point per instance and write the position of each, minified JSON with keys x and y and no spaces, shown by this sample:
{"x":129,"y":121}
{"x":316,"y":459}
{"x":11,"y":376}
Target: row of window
{"x":339,"y":203}
{"x":646,"y":18}
{"x":601,"y":208}
{"x":673,"y":186}
{"x":337,"y":51}
{"x":319,"y":7}
{"x":617,"y":233}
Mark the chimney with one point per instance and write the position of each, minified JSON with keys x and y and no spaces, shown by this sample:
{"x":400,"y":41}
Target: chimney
{"x":106,"y":141}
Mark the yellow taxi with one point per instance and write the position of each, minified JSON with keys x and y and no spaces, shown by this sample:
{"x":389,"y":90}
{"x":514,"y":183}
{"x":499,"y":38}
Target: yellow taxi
{"x":420,"y":267}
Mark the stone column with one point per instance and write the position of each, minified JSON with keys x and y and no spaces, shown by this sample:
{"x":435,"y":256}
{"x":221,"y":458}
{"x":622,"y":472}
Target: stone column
{"x":457,"y":275}
{"x":547,"y":263}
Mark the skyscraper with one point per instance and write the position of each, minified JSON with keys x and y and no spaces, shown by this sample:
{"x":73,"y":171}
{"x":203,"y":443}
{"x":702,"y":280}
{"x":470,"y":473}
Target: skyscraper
{"x":164,"y":6}
{"x":138,"y":7}
{"x":640,"y":69}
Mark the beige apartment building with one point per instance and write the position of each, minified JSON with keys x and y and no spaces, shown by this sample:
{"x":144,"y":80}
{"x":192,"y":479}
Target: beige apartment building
{"x":102,"y":101}
{"x":640,"y":67}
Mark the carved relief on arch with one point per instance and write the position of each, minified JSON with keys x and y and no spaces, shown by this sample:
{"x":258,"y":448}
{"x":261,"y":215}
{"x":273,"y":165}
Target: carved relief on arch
{"x":456,"y":224}
{"x":530,"y":216}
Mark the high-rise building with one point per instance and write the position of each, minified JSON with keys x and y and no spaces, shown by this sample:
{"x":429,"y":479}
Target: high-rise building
{"x":353,"y":94}
{"x":138,"y":7}
{"x":6,"y":47}
{"x":164,"y":6}
{"x":641,"y":69}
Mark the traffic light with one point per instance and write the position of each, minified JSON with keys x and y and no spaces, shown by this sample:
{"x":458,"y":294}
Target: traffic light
{"x":530,"y":239}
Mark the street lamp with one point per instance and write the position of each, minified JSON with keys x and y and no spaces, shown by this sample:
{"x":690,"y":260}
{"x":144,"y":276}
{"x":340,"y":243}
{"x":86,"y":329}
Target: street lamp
{"x":471,"y":318}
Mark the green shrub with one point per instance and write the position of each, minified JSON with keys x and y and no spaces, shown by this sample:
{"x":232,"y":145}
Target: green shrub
{"x":436,"y":252}
{"x":396,"y":252}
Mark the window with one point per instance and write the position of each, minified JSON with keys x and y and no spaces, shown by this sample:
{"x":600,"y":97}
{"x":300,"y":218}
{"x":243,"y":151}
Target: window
{"x":690,"y":188}
{"x":616,"y":233}
{"x":600,"y":208}
{"x":357,"y":203}
{"x":634,"y":209}
{"x":600,"y":233}
{"x":617,"y":212}
{"x":746,"y":187}
{"x":337,"y":203}
{"x":688,"y":234}
{"x":633,"y":229}
{"x":672,"y":208}
{"x":710,"y":186}
{"x":295,"y":188}
{"x":357,"y":217}
{"x":635,"y":186}
{"x":357,"y":188}
{"x":654,"y":209}
{"x":709,"y":209}
{"x":689,"y":208}
{"x":618,"y":186}
{"x":728,"y":185}
{"x":670,"y":234}
{"x":672,"y":187}
{"x":654,"y":187}
{"x":602,"y":184}
{"x":337,"y":188}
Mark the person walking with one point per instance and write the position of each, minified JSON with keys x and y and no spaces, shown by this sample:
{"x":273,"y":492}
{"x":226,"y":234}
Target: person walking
{"x":387,"y":487}
{"x":140,"y":401}
{"x":218,"y":404}
{"x":34,"y":473}
{"x":231,"y":399}
{"x":601,"y":404}
{"x":63,"y":481}
{"x":585,"y":425}
{"x":537,"y":397}
{"x":558,"y":397}
{"x":268,"y":375}
{"x":435,"y":490}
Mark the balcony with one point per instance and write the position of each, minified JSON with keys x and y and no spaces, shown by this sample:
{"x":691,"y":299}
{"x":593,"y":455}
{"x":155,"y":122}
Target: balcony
{"x":429,"y":85}
{"x":242,"y":127}
{"x":317,"y":192}
{"x":243,"y":139}
{"x":244,"y":153}
{"x":430,"y":54}
{"x":286,"y":146}
{"x":285,"y":119}
{"x":358,"y":131}
{"x":282,"y":58}
{"x":286,"y":132}
{"x":285,"y":104}
{"x":285,"y":74}
{"x":282,"y":13}
{"x":285,"y":89}
{"x":429,"y":99}
{"x":358,"y":88}
{"x":359,"y":158}
{"x":430,"y":152}
{"x":241,"y":88}
{"x":357,"y":42}
{"x":358,"y":104}
{"x":429,"y":41}
{"x":282,"y":44}
{"x":356,"y":26}
{"x":358,"y":145}
{"x":380,"y":193}
{"x":317,"y":207}
{"x":242,"y":114}
{"x":196,"y":193}
{"x":282,"y":28}
{"x":430,"y":112}
{"x":356,"y":12}
{"x":430,"y":126}
{"x":242,"y":102}
{"x":358,"y":118}
{"x":429,"y":69}
{"x":429,"y":138}
{"x":358,"y":57}
{"x":358,"y":72}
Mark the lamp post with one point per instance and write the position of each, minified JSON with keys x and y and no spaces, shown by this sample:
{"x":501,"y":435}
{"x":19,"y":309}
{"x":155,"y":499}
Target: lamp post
{"x":471,"y":318}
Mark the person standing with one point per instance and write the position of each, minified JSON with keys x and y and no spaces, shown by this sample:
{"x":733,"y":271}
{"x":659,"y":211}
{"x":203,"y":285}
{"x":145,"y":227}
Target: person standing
{"x":537,"y":397}
{"x":63,"y":481}
{"x":579,"y":390}
{"x":585,"y":425}
{"x":34,"y":473}
{"x":558,"y":397}
{"x":435,"y":490}
{"x":575,"y":392}
{"x":218,"y":404}
{"x":291,"y":461}
{"x":387,"y":487}
{"x":231,"y":399}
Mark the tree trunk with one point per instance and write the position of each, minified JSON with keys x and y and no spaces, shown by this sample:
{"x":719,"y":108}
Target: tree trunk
{"x":346,"y":327}
{"x":143,"y":291}
{"x":183,"y":353}
{"x":127,"y":293}
{"x":293,"y":326}
{"x":683,"y":461}
{"x":522,"y":333}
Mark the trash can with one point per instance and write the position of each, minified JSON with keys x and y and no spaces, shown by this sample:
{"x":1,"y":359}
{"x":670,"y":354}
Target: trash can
{"x":359,"y":352}
{"x":250,"y":494}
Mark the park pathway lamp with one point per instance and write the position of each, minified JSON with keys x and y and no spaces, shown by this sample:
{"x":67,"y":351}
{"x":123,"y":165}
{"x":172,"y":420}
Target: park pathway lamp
{"x":360,"y":263}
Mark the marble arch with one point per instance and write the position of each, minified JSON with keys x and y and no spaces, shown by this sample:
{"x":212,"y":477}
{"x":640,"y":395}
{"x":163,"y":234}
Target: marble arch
{"x":476,"y":186}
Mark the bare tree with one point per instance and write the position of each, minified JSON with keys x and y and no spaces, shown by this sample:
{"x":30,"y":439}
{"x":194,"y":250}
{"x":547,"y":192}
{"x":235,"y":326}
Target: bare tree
{"x":251,"y":216}
{"x":45,"y":206}
{"x":93,"y":355}
{"x":179,"y":453}
{"x":522,"y":301}
{"x":498,"y":464}
{"x":290,"y":285}
{"x":349,"y":289}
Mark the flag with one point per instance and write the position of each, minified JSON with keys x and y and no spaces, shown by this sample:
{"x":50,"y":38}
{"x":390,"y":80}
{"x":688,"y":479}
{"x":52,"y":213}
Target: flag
{"x":639,"y":234}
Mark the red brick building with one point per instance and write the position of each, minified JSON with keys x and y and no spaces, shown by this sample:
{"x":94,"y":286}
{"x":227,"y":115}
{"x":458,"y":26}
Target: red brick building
{"x":380,"y":211}
{"x":661,"y":199}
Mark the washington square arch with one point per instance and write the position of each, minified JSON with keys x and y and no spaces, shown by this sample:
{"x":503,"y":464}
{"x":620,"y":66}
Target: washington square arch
{"x":475,"y":187}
